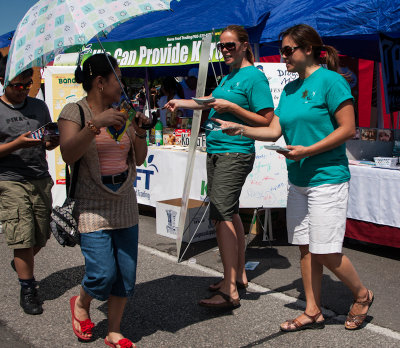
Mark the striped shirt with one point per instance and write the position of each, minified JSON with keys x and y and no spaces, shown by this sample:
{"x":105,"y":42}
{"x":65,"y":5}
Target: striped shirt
{"x":112,"y":156}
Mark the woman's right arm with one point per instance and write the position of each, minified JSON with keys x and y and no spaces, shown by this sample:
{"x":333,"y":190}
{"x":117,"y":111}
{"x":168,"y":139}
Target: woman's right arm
{"x":74,"y":141}
{"x":175,"y":104}
{"x":271,"y":133}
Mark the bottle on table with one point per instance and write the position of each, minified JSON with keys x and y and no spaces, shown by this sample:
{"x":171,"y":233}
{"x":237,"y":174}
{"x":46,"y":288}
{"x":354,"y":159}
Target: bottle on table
{"x":158,"y":133}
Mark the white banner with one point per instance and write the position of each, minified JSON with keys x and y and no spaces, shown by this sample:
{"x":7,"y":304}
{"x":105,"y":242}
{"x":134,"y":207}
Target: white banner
{"x":162,"y":176}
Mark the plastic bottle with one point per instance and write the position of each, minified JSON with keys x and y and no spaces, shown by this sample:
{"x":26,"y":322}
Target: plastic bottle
{"x":158,"y":133}
{"x":148,"y":137}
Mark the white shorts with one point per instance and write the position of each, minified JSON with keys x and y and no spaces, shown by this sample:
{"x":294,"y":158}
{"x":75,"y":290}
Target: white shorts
{"x":317,"y":216}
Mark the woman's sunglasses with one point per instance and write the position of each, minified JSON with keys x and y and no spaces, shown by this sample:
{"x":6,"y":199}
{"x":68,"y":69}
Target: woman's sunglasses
{"x":21,"y":86}
{"x":287,"y":51}
{"x":230,"y":46}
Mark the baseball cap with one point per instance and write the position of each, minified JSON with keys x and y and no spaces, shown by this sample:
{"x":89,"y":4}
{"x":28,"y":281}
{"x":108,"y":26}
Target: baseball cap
{"x":193,"y":72}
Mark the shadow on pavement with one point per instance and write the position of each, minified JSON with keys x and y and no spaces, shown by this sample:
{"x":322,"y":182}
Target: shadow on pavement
{"x":166,"y":304}
{"x":334,"y":294}
{"x":58,"y":283}
{"x":373,"y":249}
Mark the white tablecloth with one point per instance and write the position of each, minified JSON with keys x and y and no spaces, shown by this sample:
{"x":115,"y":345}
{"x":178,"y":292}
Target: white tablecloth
{"x":374,"y":195}
{"x":162,"y":177}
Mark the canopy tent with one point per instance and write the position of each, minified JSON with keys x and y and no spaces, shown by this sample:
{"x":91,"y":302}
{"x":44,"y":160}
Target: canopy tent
{"x":5,"y":39}
{"x":351,"y":26}
{"x":189,"y":16}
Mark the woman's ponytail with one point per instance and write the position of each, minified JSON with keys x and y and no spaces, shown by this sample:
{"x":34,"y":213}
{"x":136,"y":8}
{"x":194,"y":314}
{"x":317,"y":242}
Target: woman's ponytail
{"x":331,"y":58}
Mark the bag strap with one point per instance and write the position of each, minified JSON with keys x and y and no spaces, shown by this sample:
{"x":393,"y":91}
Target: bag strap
{"x":70,"y":185}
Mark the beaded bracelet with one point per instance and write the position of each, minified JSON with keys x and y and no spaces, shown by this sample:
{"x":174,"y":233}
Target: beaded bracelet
{"x":93,"y":128}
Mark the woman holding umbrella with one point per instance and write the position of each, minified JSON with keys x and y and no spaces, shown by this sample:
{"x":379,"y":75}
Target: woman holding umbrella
{"x":106,"y":207}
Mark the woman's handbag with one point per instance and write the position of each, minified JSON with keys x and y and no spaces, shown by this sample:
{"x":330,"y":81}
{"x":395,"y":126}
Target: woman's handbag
{"x":63,"y":225}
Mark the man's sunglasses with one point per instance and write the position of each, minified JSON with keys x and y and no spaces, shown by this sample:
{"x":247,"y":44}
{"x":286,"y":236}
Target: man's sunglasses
{"x":21,"y":86}
{"x":230,"y":46}
{"x":287,"y":51}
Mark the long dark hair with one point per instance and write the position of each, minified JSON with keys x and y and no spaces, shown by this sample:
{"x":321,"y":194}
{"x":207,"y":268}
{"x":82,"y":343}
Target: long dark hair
{"x":305,"y":36}
{"x":96,"y":65}
{"x":242,"y":36}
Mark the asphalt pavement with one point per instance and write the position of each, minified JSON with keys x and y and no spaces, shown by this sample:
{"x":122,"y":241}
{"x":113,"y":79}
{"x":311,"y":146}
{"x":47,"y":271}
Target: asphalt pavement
{"x":164,"y":311}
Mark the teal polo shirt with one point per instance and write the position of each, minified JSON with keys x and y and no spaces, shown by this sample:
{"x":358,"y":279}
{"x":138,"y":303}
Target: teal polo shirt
{"x":306,"y":114}
{"x":249,"y":88}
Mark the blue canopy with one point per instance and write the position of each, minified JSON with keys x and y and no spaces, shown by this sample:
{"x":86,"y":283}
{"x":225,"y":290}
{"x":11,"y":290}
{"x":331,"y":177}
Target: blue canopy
{"x":352,"y":26}
{"x":5,"y":39}
{"x":189,"y":16}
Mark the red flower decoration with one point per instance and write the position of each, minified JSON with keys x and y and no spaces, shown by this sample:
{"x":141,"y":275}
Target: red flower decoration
{"x":125,"y":343}
{"x":86,"y":326}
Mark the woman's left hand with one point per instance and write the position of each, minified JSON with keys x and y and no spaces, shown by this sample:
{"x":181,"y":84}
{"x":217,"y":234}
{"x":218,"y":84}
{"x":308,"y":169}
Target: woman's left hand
{"x":297,"y":152}
{"x":222,"y":106}
{"x":230,"y":128}
{"x":140,"y":119}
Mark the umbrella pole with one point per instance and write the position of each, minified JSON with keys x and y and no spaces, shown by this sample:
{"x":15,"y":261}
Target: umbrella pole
{"x":152,"y":119}
{"x":119,"y":81}
{"x":146,"y":87}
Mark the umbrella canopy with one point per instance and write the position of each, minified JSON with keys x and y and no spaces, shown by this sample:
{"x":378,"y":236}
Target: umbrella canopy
{"x":51,"y":26}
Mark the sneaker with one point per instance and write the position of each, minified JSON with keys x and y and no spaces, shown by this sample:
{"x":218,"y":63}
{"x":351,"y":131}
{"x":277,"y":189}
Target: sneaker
{"x":13,"y":265}
{"x":30,"y":301}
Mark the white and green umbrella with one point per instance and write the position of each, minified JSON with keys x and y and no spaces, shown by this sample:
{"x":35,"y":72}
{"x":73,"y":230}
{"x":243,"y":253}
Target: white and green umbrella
{"x":51,"y":26}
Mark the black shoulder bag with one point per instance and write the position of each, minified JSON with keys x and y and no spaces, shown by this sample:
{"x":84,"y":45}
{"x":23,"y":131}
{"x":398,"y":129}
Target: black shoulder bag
{"x":63,"y":225}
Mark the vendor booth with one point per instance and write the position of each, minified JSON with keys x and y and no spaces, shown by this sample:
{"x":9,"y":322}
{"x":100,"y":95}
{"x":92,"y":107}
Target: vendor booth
{"x":370,"y":220}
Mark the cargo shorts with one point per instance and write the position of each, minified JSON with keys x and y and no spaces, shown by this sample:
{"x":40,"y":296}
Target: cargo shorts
{"x":226,"y":175}
{"x":25,"y":208}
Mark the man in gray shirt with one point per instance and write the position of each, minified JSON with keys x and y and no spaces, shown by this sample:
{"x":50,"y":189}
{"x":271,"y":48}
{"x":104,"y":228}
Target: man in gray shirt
{"x":25,"y":183}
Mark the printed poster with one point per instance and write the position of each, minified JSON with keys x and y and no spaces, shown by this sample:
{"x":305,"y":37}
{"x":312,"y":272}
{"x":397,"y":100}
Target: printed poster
{"x":60,"y":89}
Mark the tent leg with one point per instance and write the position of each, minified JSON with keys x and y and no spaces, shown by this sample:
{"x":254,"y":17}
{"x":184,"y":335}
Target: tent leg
{"x":267,"y":225}
{"x":194,"y":233}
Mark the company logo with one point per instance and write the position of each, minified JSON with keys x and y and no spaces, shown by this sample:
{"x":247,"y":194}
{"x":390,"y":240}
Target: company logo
{"x":308,"y":97}
{"x":66,"y":81}
{"x":145,"y":174}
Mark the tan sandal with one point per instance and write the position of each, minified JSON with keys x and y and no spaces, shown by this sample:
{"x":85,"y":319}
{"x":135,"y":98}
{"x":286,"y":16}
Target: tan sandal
{"x":358,"y":319}
{"x":314,"y":324}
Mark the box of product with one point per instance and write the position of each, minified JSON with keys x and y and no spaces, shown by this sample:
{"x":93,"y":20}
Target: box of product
{"x":167,"y":221}
{"x":183,"y":136}
{"x":169,"y":137}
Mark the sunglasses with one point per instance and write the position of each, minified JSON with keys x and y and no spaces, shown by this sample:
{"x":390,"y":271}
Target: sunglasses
{"x":21,"y":86}
{"x":230,"y":46}
{"x":287,"y":51}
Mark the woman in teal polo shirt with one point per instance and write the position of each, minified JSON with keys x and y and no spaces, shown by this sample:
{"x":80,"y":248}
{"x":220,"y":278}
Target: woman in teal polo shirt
{"x":243,"y":97}
{"x":316,"y":116}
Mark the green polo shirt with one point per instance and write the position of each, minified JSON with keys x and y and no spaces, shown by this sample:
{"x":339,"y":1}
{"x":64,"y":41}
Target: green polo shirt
{"x":249,"y":88}
{"x":306,"y":114}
